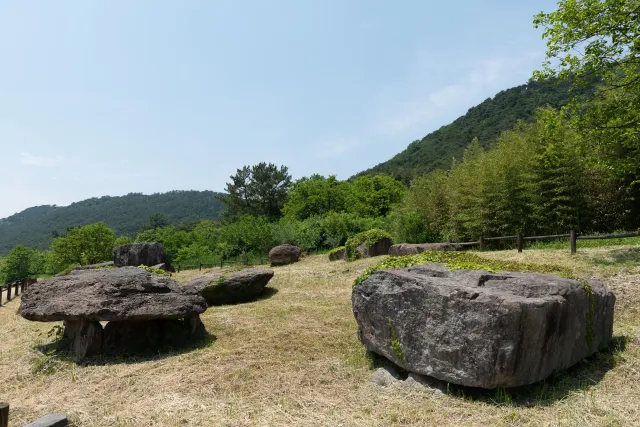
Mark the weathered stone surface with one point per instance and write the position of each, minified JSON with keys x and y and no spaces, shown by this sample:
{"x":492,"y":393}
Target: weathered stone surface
{"x":385,"y":376}
{"x":413,"y":249}
{"x":338,"y":255}
{"x":424,"y":383}
{"x":93,"y":266}
{"x":231,"y":288}
{"x":51,"y":420}
{"x":127,"y":293}
{"x":481,"y":329}
{"x":85,"y":337}
{"x":136,"y":254}
{"x":284,"y":254}
{"x":381,"y":247}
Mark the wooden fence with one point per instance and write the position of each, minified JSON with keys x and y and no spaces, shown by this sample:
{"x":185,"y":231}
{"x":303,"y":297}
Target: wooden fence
{"x":15,"y":288}
{"x":242,"y":260}
{"x":573,"y":238}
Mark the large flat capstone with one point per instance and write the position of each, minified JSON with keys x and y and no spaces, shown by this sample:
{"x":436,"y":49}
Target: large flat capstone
{"x":232,"y":287}
{"x":482,"y":329}
{"x":107,"y":294}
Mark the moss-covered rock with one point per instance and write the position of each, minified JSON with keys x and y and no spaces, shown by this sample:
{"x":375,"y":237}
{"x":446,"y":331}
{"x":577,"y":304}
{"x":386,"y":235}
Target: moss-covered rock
{"x":368,"y":244}
{"x":337,"y":254}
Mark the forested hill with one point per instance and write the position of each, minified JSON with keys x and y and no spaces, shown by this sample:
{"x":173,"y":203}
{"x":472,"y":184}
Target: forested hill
{"x":125,"y":214}
{"x":484,"y":121}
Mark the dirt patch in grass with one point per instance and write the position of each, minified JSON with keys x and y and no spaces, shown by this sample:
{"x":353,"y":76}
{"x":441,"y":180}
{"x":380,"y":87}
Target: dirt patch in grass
{"x":294,"y":360}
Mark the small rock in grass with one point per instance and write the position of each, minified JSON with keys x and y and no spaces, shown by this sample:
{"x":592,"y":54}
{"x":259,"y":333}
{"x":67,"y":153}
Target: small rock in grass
{"x":385,"y":376}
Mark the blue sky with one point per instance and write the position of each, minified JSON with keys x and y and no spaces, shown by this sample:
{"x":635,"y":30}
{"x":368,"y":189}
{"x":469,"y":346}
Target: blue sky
{"x":111,"y":97}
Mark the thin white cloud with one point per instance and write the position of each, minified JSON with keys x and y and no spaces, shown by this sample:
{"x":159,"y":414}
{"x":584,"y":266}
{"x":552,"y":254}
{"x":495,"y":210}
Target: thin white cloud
{"x":39,"y":161}
{"x":422,"y":105}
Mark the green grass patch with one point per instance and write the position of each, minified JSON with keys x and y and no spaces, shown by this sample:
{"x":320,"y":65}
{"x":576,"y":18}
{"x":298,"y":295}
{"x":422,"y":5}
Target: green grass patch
{"x":154,"y":270}
{"x":564,"y":243}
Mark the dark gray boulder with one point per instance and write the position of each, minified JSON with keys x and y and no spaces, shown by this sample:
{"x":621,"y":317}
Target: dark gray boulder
{"x":232,"y":287}
{"x":380,"y":247}
{"x":481,"y":329}
{"x":136,"y":254}
{"x":417,"y":248}
{"x":338,"y":254}
{"x":284,"y":254}
{"x":127,"y":293}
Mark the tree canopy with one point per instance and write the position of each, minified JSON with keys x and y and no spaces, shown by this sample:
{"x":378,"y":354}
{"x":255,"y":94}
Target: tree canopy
{"x":259,"y":190}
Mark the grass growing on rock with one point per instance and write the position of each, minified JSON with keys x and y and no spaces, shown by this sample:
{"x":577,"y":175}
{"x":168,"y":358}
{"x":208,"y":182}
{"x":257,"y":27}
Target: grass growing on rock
{"x":370,"y":237}
{"x":294,"y":360}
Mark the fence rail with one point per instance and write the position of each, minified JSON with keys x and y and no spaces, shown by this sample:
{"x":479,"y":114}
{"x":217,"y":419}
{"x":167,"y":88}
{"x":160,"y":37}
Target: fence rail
{"x":573,"y":238}
{"x":16,"y":288}
{"x":246,"y":260}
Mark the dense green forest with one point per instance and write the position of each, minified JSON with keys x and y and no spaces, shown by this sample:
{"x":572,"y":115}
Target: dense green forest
{"x":484,"y":121}
{"x":537,"y":159}
{"x":126,"y":215}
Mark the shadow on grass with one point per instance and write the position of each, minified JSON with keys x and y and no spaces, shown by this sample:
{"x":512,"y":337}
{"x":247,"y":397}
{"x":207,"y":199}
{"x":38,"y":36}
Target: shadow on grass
{"x":630,"y":256}
{"x":58,"y":352}
{"x":579,"y":378}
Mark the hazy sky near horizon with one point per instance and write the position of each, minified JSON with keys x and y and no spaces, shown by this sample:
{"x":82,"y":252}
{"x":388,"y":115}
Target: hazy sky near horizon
{"x":112,"y":97}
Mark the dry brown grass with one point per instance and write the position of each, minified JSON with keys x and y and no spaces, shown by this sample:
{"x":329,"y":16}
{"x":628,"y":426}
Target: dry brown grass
{"x":294,"y":360}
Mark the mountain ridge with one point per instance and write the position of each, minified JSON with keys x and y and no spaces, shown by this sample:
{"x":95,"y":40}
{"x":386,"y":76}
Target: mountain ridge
{"x":125,"y":214}
{"x":485,"y":121}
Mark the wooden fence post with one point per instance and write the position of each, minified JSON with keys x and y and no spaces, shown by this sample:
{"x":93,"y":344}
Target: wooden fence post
{"x":4,"y":414}
{"x":8,"y":292}
{"x":17,"y":292}
{"x":482,"y":247}
{"x":520,"y":243}
{"x":572,"y":239}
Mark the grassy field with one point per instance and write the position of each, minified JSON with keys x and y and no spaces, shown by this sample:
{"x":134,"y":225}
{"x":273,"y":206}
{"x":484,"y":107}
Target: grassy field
{"x":293,"y":359}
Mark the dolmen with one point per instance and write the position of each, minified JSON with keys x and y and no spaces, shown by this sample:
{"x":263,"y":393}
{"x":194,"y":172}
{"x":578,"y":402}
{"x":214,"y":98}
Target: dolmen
{"x":150,"y":254}
{"x":284,"y":255}
{"x":480,"y":329}
{"x":145,"y":311}
{"x":234,"y":287}
{"x":417,"y":248}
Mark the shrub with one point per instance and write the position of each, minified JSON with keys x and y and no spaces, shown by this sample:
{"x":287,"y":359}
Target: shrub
{"x":371,"y":237}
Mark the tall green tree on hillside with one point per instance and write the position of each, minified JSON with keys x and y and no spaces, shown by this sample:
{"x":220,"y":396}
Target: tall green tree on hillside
{"x":89,"y":244}
{"x":259,"y":190}
{"x":316,"y":195}
{"x":157,"y":220}
{"x":16,"y":264}
{"x":589,"y":39}
{"x":374,"y":196}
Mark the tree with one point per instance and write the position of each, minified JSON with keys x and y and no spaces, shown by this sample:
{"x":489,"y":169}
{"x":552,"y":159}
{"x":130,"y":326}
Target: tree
{"x":259,"y":190}
{"x":157,"y":220}
{"x":17,"y":262}
{"x":316,"y":195}
{"x":374,"y":196}
{"x":89,"y":244}
{"x":599,"y":39}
